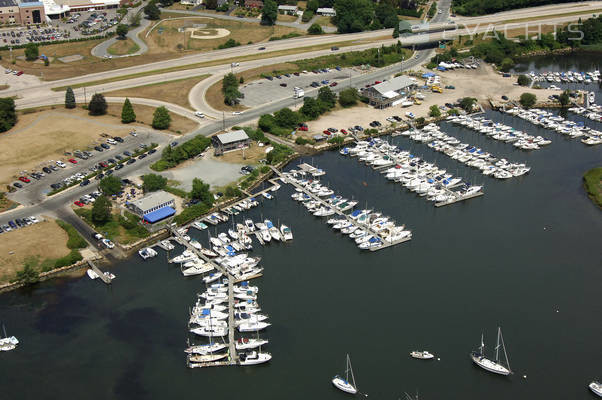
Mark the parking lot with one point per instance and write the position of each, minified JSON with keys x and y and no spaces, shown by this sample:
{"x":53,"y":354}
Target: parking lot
{"x":265,"y":90}
{"x":78,"y":25}
{"x":108,"y":154}
{"x":17,"y":223}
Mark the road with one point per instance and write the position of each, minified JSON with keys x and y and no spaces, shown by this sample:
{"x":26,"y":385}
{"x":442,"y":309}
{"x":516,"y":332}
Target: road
{"x":101,"y":49}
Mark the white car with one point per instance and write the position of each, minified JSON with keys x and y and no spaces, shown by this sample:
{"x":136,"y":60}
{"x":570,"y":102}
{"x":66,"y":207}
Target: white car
{"x":111,"y":141}
{"x":34,"y":219}
{"x":237,"y":113}
{"x":199,"y":114}
{"x":61,"y":164}
{"x":108,"y":243}
{"x":133,"y":133}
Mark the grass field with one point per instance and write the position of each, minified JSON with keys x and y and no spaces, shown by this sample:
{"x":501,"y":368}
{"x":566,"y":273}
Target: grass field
{"x":252,"y":155}
{"x":144,"y":115}
{"x":167,"y":37}
{"x":175,"y":92}
{"x":592,"y":181}
{"x":45,"y":240}
{"x":324,"y":21}
{"x":287,"y":18}
{"x":122,"y":47}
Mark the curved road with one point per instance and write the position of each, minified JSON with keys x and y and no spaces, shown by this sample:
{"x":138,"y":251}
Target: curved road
{"x":101,"y":49}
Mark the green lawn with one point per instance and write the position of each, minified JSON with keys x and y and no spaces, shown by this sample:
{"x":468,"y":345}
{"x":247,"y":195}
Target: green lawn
{"x":592,"y":181}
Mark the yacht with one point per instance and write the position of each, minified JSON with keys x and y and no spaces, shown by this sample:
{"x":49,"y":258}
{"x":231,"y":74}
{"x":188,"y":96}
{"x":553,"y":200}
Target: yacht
{"x":286,"y":232}
{"x":192,"y":268}
{"x":248,"y":344}
{"x":167,"y":245}
{"x":253,"y":326}
{"x":205,"y":348}
{"x":212,"y":277}
{"x":249,"y":225}
{"x":203,"y":358}
{"x":344,"y":384}
{"x":490,"y":365}
{"x":254,"y":358}
{"x":596,"y":387}
{"x":187,"y":255}
{"x":223,"y":237}
{"x":423,"y":355}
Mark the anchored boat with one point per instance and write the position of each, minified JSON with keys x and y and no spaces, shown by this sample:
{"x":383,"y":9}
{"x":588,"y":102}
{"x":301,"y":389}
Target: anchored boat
{"x":490,"y":365}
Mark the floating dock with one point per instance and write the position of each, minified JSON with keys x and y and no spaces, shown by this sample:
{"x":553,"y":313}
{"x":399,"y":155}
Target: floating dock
{"x":100,"y":274}
{"x":460,"y":198}
{"x":385,"y":242}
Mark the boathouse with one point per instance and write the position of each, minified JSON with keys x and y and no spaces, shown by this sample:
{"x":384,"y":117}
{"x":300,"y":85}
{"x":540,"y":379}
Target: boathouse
{"x":153,"y":207}
{"x":230,"y":141}
{"x":391,"y":92}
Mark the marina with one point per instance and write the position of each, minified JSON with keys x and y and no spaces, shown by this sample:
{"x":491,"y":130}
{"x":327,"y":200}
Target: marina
{"x":539,"y":237}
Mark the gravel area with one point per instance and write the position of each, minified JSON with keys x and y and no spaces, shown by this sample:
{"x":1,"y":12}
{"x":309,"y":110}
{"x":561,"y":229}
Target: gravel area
{"x":214,"y":172}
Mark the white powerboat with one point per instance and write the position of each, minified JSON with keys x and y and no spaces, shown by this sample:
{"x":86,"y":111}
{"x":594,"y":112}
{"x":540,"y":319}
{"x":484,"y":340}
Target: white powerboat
{"x":422,"y":355}
{"x":596,"y":387}
{"x":203,"y":358}
{"x":212,"y":277}
{"x":147,"y":253}
{"x":254,"y":358}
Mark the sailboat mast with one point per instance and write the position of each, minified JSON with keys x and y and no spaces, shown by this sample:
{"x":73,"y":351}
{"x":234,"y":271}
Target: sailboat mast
{"x":505,"y":354}
{"x":349,"y":368}
{"x":497,"y":345}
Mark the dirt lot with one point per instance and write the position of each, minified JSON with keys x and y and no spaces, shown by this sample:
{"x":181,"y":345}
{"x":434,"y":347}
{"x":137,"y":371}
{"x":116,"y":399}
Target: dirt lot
{"x":171,"y":92}
{"x":45,"y":239}
{"x":167,"y":38}
{"x":122,"y":47}
{"x":252,"y":155}
{"x":491,"y":85}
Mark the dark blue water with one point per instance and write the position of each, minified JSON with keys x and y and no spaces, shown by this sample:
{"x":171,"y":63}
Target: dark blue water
{"x":526,"y":256}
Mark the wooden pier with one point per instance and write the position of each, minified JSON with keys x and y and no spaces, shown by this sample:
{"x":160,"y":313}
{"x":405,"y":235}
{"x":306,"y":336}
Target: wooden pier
{"x":460,"y":198}
{"x":100,"y":274}
{"x":385,"y":242}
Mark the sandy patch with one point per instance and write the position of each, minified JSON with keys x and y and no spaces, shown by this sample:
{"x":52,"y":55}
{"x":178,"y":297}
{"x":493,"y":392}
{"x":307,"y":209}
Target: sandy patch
{"x":210,"y":169}
{"x":45,"y":239}
{"x":215,"y":33}
{"x":482,"y":84}
{"x":72,"y":58}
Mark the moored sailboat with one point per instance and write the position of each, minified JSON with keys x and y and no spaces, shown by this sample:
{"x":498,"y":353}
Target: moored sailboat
{"x":344,"y":384}
{"x":490,"y":365}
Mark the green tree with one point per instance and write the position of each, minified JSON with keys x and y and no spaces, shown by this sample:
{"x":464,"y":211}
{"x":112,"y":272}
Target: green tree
{"x":467,"y":103}
{"x":161,"y":118}
{"x":327,"y":97}
{"x":230,"y":89}
{"x":110,"y":185}
{"x":211,"y":4}
{"x":69,"y":98}
{"x":564,"y":98}
{"x":29,"y":274}
{"x":101,"y":211}
{"x":523,"y":80}
{"x":32,"y":52}
{"x":310,"y":108}
{"x":200,"y":191}
{"x":98,"y":105}
{"x":348,"y":97}
{"x":396,"y":31}
{"x":151,"y":11}
{"x":127,"y":112}
{"x":8,"y":116}
{"x":153,"y":182}
{"x":313,"y":5}
{"x":434,"y":111}
{"x":269,"y":12}
{"x":121,"y":31}
{"x":315,"y":29}
{"x":286,"y":118}
{"x":307,"y":16}
{"x":507,"y":64}
{"x":527,"y":100}
{"x":134,"y":20}
{"x":353,"y":15}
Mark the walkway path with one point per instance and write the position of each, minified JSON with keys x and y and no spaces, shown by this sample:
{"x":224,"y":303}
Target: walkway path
{"x":101,"y":50}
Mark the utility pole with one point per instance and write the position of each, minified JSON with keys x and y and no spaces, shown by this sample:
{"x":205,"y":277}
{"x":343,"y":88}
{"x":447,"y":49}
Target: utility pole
{"x":223,"y":121}
{"x":85,"y":95}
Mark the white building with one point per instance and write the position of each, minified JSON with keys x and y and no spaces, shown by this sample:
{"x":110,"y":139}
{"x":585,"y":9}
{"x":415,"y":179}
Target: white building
{"x":153,"y":207}
{"x":290,"y":10}
{"x":327,"y":12}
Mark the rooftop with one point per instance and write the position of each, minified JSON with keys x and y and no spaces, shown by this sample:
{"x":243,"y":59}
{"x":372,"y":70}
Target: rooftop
{"x":159,"y":214}
{"x":233,"y":136}
{"x":152,"y":200}
{"x":395,"y":84}
{"x":8,"y":3}
{"x":285,"y":7}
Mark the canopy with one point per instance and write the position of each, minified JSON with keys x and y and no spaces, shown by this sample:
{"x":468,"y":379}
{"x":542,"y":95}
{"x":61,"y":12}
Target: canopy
{"x":159,"y":214}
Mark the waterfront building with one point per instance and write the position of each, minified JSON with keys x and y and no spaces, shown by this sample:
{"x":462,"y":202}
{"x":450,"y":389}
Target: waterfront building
{"x":154,"y":207}
{"x":391,"y":92}
{"x":230,"y":141}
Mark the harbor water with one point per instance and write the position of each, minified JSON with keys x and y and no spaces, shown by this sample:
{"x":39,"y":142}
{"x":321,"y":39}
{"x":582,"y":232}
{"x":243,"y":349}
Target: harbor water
{"x":526,"y":256}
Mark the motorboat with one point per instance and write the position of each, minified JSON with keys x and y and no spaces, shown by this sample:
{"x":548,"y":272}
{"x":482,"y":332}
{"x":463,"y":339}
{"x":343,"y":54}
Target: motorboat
{"x":253,"y":358}
{"x":422,"y":355}
{"x":187,"y":255}
{"x":212,"y":277}
{"x":196,"y":268}
{"x":596,"y":387}
{"x":286,"y":232}
{"x":249,"y":225}
{"x":91,"y":273}
{"x":253,"y":326}
{"x":223,"y":237}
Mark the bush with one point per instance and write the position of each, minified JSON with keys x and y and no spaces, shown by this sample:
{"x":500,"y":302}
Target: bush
{"x":434,"y":111}
{"x":161,"y":118}
{"x":189,"y":149}
{"x":307,"y":16}
{"x":190,"y":213}
{"x":336,"y":140}
{"x":348,"y":97}
{"x":315,"y":29}
{"x":230,"y":89}
{"x":32,"y":52}
{"x":70,"y":259}
{"x":523,"y":80}
{"x":301,"y":141}
{"x":232,"y":191}
{"x":69,"y":98}
{"x":121,"y":30}
{"x":528,"y":100}
{"x":8,"y":116}
{"x":153,"y":182}
{"x":75,"y":241}
{"x":228,"y":44}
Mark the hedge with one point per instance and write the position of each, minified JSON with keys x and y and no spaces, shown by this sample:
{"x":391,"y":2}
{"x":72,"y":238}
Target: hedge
{"x":76,"y":241}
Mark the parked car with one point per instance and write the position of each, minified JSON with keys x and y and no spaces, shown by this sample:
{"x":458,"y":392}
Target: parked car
{"x":98,"y":148}
{"x":85,"y":182}
{"x":151,"y":151}
{"x":24,"y":179}
{"x":79,"y":203}
{"x":47,"y":170}
{"x":199,"y":114}
{"x":72,"y":161}
{"x":17,"y":185}
{"x":118,"y":139}
{"x":105,"y":146}
{"x":127,"y":153}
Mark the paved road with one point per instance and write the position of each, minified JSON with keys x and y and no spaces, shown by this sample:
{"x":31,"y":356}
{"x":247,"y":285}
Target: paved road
{"x":101,"y":50}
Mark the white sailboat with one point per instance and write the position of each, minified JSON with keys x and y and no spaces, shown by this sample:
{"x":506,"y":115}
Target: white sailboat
{"x":344,"y":384}
{"x":8,"y":343}
{"x":492,"y":366}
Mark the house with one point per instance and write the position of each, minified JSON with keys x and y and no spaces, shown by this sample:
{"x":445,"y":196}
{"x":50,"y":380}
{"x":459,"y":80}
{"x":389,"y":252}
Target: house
{"x":253,"y":4}
{"x":290,"y":10}
{"x":230,"y":141}
{"x":391,"y":92}
{"x":327,"y":12}
{"x":153,"y":207}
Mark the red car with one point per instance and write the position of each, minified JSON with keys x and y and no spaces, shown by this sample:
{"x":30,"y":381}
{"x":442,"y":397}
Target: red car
{"x":78,"y":203}
{"x":326,"y":132}
{"x":343,"y":131}
{"x":377,"y":82}
{"x":333,"y":84}
{"x":302,"y":128}
{"x":103,"y":164}
{"x":24,"y":179}
{"x":19,"y":73}
{"x":72,"y":161}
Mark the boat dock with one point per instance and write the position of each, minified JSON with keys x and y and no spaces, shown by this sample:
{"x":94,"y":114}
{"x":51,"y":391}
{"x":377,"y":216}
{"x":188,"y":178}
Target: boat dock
{"x":385,"y":242}
{"x":460,"y":198}
{"x":160,"y":244}
{"x":100,"y":274}
{"x":233,"y":358}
